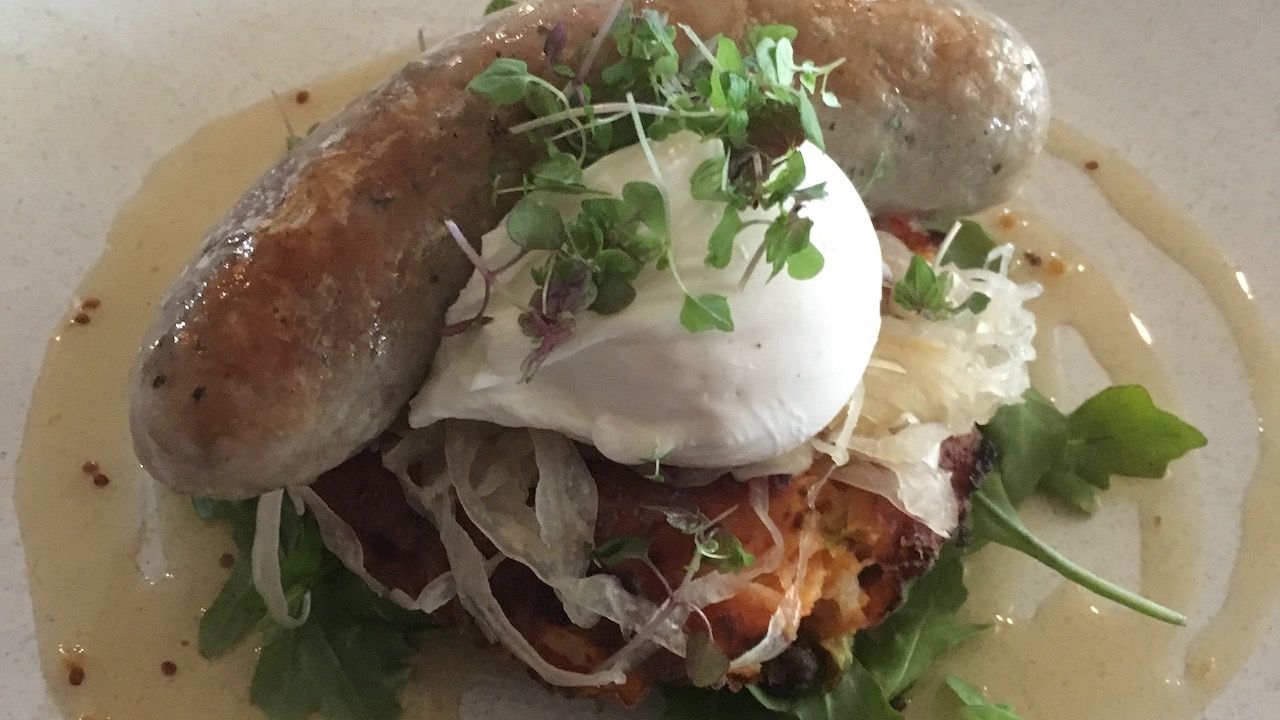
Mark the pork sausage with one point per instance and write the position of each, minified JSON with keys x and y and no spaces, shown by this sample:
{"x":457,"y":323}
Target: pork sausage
{"x":312,"y":311}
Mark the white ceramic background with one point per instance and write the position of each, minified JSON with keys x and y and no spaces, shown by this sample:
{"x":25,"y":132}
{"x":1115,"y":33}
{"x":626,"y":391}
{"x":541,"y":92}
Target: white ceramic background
{"x":93,"y":91}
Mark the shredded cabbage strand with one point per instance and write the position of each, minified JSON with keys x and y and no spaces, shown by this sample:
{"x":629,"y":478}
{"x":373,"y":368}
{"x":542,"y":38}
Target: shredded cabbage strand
{"x":265,"y":557}
{"x":929,"y":380}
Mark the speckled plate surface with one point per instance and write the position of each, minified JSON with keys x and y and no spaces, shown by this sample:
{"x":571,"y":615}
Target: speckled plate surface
{"x":93,"y":91}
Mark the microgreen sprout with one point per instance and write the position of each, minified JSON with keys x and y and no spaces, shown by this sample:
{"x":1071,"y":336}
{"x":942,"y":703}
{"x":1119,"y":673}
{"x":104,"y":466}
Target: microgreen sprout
{"x":717,"y":90}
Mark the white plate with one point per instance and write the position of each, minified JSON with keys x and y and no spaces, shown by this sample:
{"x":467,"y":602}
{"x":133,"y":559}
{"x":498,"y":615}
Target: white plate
{"x":93,"y":91}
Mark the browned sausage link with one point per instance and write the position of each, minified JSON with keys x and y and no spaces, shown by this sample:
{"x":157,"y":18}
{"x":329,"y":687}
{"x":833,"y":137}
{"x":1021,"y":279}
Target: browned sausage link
{"x":313,"y":311}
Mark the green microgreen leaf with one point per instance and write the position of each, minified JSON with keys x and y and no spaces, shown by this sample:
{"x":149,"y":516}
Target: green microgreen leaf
{"x":649,"y":91}
{"x":620,"y":549}
{"x":786,"y":236}
{"x":725,"y":551}
{"x":787,"y":176}
{"x":558,"y":171}
{"x":534,"y":225}
{"x":720,"y":246}
{"x":924,"y":291}
{"x":920,"y":290}
{"x":708,"y":182}
{"x":728,"y":56}
{"x":647,"y":203}
{"x":705,"y":664}
{"x":809,"y":121}
{"x":806,"y":263}
{"x":975,"y":304}
{"x":706,"y":312}
{"x":976,"y":704}
{"x":505,"y":82}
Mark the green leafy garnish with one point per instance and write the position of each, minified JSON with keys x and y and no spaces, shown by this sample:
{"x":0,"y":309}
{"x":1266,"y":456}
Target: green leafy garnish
{"x":706,"y":312}
{"x":705,"y":664}
{"x":505,"y":82}
{"x":620,"y":549}
{"x":718,"y":89}
{"x":900,"y":650}
{"x":976,"y":705}
{"x":995,"y":520}
{"x":1119,"y":431}
{"x":349,"y":660}
{"x":969,"y":247}
{"x":711,"y":541}
{"x":346,"y":662}
{"x":924,"y":291}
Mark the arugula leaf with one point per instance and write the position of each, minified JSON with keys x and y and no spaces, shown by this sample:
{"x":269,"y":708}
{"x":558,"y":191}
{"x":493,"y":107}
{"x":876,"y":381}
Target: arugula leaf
{"x":341,"y":663}
{"x":706,"y":312}
{"x":857,"y":695}
{"x":346,"y":662}
{"x":976,"y":704}
{"x":235,"y":613}
{"x":902,"y":648}
{"x":239,"y":609}
{"x":995,"y":520}
{"x":1031,"y":436}
{"x":970,"y":247}
{"x":1120,"y":431}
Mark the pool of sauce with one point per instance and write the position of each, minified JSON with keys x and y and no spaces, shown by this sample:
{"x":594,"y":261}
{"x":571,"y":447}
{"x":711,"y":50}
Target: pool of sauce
{"x":121,"y":570}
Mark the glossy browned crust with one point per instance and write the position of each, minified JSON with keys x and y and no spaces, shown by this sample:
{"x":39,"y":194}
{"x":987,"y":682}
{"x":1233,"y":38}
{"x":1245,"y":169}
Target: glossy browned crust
{"x":870,"y":549}
{"x":313,"y":310}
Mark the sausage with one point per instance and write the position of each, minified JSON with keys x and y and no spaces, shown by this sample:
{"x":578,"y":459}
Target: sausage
{"x":944,"y":106}
{"x":311,"y":313}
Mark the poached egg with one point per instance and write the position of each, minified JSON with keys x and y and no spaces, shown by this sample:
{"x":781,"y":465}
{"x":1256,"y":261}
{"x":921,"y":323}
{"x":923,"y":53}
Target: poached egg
{"x":640,"y":387}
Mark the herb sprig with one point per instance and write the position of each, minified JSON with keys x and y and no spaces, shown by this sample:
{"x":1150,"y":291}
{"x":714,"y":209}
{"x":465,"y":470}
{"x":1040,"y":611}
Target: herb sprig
{"x":756,"y":98}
